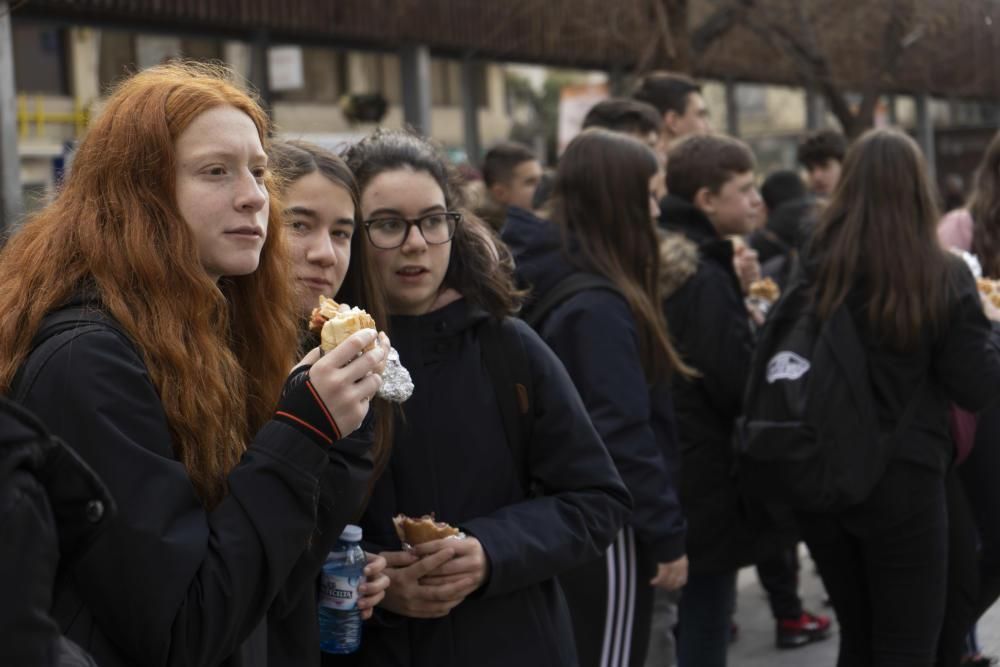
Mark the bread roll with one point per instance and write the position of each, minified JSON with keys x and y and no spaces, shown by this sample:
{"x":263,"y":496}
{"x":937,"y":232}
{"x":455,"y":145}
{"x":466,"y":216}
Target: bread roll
{"x":765,"y":289}
{"x":424,"y":529}
{"x":335,"y":323}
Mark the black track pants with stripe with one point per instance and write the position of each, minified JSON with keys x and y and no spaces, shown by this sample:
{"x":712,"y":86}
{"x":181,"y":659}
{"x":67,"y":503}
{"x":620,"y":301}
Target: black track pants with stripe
{"x":611,"y":603}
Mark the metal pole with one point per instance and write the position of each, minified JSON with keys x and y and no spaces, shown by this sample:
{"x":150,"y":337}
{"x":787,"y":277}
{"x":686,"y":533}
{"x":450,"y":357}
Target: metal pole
{"x":11,"y":204}
{"x":472,"y":84}
{"x":415,"y":65}
{"x":925,"y":131}
{"x":813,"y":111}
{"x":732,"y":110}
{"x":258,"y":68}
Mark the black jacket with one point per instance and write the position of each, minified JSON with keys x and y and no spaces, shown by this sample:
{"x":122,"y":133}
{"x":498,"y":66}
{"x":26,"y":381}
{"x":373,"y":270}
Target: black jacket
{"x":711,"y":328}
{"x":594,"y":334}
{"x":959,"y":362}
{"x":53,"y":507}
{"x":168,"y":583}
{"x":450,"y":456}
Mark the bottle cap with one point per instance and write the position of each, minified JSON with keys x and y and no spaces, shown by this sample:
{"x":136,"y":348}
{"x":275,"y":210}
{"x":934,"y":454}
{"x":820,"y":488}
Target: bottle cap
{"x":351,"y":533}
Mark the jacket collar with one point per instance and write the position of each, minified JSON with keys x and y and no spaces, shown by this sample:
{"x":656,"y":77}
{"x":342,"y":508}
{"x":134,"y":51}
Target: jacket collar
{"x":681,"y":216}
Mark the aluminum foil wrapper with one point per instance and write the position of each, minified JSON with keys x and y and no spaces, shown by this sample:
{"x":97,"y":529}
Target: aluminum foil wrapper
{"x":397,"y":385}
{"x":762,"y":305}
{"x":971,"y":261}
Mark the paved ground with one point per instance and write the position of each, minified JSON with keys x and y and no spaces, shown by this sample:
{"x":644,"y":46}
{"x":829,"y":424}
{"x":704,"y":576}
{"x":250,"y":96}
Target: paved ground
{"x":755,"y":647}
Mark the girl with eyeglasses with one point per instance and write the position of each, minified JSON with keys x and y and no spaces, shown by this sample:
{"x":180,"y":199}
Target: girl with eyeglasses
{"x":490,"y":597}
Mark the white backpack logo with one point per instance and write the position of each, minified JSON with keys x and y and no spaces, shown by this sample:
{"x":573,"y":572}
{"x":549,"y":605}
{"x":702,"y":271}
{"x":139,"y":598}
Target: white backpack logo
{"x":786,"y":366}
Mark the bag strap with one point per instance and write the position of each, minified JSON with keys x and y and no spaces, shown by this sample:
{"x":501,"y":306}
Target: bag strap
{"x":57,"y":329}
{"x":535,"y":313}
{"x":506,"y":361}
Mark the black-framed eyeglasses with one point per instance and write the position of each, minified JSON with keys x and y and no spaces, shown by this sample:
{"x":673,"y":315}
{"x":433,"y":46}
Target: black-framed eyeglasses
{"x":391,"y":231}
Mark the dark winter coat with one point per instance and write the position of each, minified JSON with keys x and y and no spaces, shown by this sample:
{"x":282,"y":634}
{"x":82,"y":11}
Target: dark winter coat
{"x":52,"y":508}
{"x":710,"y":326}
{"x":958,"y":362}
{"x":594,"y":334}
{"x":168,"y":583}
{"x":451,"y":457}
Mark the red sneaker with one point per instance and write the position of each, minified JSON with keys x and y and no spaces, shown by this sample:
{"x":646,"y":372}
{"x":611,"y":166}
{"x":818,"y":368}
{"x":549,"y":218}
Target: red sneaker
{"x":796,"y":632}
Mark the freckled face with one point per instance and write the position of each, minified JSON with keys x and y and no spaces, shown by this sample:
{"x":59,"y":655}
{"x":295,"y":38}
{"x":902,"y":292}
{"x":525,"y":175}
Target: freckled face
{"x":220,"y":190}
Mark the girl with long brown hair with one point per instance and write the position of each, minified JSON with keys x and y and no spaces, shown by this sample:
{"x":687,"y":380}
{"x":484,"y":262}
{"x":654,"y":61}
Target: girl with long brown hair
{"x":329,"y":256}
{"x":531,"y":501}
{"x":613,"y":340}
{"x":976,"y":228}
{"x":916,"y":307}
{"x":148,"y":319}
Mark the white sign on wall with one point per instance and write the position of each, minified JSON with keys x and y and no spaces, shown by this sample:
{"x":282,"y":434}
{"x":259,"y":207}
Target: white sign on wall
{"x":284,"y":68}
{"x":574,"y":103}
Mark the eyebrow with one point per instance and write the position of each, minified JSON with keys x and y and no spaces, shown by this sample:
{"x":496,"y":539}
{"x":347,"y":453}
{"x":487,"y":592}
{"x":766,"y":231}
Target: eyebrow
{"x":309,"y":213}
{"x":227,"y":155}
{"x":392,"y":211}
{"x":302,"y":210}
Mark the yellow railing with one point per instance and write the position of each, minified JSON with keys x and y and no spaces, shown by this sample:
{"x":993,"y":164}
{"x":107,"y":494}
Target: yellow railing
{"x":78,"y":118}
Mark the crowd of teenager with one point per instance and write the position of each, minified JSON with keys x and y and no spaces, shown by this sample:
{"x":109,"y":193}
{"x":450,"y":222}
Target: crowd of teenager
{"x":583,"y":347}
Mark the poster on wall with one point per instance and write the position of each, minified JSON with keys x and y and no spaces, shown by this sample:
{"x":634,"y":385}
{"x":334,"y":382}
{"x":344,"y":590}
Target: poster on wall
{"x":574,"y":103}
{"x":284,"y":68}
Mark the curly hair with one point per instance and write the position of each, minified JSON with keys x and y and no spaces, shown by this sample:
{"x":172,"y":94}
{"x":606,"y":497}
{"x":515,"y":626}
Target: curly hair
{"x":821,"y":146}
{"x":217,"y":353}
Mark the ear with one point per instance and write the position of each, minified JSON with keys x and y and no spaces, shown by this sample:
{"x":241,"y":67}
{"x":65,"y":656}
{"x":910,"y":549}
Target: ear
{"x":670,"y":120}
{"x":499,"y":192}
{"x":705,"y":201}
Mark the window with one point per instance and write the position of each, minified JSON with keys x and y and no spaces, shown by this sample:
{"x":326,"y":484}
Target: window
{"x":122,"y":53}
{"x":117,"y":56}
{"x":40,"y":65}
{"x":323,"y":71}
{"x":446,"y":86}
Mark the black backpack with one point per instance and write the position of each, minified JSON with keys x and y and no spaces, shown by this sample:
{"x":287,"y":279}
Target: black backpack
{"x":507,"y":363}
{"x":810,"y":436}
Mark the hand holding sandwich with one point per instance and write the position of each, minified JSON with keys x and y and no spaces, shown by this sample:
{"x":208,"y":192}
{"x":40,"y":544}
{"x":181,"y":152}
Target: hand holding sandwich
{"x":347,"y":378}
{"x":409,"y":596}
{"x":469,"y":564}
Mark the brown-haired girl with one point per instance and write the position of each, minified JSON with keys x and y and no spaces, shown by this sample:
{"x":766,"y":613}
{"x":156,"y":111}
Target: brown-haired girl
{"x":916,"y":307}
{"x":613,"y":340}
{"x":490,"y":598}
{"x":148,"y":318}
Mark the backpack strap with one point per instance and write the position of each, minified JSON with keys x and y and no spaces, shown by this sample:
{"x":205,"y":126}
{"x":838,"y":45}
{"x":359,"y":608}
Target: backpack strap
{"x":506,"y":361}
{"x":58,"y":329}
{"x":535,"y":313}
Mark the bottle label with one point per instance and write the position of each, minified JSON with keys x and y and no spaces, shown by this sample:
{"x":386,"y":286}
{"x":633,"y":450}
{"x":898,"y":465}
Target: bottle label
{"x":340,"y":593}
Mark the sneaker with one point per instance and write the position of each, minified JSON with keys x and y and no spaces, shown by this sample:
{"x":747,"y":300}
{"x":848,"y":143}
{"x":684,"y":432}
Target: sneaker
{"x":800,"y":631}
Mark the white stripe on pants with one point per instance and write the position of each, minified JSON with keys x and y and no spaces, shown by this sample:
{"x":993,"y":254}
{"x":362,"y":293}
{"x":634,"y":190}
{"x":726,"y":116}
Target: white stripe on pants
{"x":621,"y":560}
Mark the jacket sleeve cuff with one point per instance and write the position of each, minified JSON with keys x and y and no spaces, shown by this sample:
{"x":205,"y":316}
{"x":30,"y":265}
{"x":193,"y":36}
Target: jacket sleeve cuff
{"x":668,"y":549}
{"x":302,"y":408}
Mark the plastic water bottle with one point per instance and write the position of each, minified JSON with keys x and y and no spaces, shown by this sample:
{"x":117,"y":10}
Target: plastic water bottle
{"x":339,"y":616}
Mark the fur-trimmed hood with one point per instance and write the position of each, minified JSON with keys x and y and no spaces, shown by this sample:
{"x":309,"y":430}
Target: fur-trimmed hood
{"x":678,"y":262}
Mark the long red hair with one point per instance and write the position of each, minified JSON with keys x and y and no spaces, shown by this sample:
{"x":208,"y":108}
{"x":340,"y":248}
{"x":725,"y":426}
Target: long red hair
{"x":216,"y":353}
